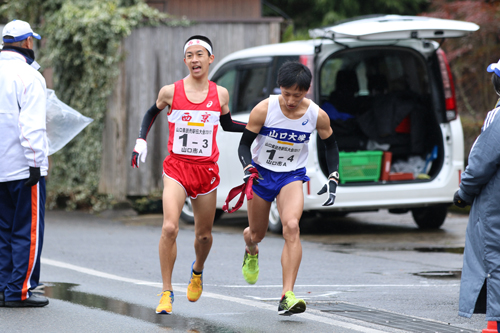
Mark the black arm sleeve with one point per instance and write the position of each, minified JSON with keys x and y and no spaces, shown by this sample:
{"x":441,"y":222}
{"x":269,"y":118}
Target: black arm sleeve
{"x":229,"y":125}
{"x":148,"y":120}
{"x":244,"y":149}
{"x":331,"y":153}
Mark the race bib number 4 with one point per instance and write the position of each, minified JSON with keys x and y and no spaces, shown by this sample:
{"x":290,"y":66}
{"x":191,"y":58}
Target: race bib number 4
{"x":279,"y":155}
{"x":194,"y":139}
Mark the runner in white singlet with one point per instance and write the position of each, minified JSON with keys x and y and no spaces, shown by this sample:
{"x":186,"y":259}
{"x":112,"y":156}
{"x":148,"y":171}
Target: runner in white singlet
{"x":281,"y":126}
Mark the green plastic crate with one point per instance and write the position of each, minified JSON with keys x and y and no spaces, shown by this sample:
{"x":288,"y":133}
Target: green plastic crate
{"x":360,"y":166}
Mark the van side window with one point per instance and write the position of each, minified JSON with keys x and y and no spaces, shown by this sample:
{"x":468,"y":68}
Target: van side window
{"x":247,"y":85}
{"x":228,"y":81}
{"x":252,"y":87}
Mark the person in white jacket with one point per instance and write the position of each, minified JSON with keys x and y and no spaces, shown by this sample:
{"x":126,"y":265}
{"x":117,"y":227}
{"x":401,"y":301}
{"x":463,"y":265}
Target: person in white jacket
{"x":24,"y":163}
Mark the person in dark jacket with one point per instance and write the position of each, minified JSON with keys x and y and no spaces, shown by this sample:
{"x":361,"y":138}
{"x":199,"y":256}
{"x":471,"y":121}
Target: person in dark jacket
{"x":480,"y":187}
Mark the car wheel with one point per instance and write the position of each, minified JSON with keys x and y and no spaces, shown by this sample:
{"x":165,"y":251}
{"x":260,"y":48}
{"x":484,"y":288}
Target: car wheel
{"x":431,"y":217}
{"x":188,"y":216}
{"x":274,"y":219}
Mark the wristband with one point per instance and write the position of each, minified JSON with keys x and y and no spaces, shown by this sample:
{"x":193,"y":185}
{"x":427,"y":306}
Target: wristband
{"x":335,"y":175}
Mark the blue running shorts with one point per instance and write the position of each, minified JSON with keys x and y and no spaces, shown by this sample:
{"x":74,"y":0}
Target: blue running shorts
{"x":273,"y":182}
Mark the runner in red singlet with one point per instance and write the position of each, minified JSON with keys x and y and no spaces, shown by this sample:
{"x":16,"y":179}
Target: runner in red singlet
{"x":196,"y":107}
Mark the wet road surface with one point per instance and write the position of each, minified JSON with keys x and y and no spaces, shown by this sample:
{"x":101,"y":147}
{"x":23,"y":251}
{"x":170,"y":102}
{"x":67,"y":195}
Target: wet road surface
{"x":369,"y":272}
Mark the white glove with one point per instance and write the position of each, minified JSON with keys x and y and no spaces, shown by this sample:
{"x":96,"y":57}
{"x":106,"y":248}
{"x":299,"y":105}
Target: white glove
{"x":140,"y":151}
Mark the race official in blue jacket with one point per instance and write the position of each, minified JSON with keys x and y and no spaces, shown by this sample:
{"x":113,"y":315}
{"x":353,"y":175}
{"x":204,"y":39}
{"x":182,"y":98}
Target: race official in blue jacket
{"x":23,"y":165}
{"x":480,"y":187}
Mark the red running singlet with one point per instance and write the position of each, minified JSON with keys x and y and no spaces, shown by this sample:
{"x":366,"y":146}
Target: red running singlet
{"x":193,"y":126}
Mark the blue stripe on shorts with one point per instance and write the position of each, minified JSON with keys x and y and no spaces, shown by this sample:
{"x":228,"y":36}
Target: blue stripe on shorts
{"x":273,"y":182}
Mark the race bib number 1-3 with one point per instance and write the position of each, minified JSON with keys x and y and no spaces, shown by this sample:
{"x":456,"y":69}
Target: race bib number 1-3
{"x":194,"y":139}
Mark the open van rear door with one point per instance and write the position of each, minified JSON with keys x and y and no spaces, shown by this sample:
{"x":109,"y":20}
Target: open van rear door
{"x":396,"y":27}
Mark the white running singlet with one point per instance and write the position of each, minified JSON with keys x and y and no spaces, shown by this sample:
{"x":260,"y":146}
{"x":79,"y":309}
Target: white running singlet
{"x":281,"y":144}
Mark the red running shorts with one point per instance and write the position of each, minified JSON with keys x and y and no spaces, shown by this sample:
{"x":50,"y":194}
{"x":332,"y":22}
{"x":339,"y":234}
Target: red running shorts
{"x":195,"y":178}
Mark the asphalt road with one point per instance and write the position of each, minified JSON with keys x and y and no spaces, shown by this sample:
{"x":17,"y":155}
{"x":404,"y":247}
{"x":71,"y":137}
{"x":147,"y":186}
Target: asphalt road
{"x":367,"y":272}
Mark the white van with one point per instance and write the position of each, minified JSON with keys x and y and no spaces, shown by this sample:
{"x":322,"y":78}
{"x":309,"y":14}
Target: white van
{"x":389,"y":92}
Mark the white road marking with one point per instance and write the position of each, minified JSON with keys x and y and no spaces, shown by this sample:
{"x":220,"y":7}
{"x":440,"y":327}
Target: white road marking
{"x":225,"y":314}
{"x":298,"y":294}
{"x":342,"y":285}
{"x":94,"y":272}
{"x":314,"y":315}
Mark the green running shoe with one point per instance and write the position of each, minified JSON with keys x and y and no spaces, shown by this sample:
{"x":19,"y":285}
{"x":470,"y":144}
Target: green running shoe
{"x":250,"y":268}
{"x":290,"y":305}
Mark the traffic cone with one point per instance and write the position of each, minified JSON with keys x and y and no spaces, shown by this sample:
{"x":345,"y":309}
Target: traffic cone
{"x":491,"y":328}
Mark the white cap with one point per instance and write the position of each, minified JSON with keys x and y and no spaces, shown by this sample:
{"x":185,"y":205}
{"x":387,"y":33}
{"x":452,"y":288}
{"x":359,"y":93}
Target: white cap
{"x":18,"y":29}
{"x":494,"y":67}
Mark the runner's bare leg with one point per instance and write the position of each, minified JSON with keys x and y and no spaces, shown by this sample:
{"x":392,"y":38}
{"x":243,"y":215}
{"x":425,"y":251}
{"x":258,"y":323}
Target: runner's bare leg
{"x":290,"y":203}
{"x":174,"y":197}
{"x":204,"y":214}
{"x":258,"y":220}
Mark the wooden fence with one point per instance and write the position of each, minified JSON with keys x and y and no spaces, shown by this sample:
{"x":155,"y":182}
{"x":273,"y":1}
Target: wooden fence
{"x":154,"y":58}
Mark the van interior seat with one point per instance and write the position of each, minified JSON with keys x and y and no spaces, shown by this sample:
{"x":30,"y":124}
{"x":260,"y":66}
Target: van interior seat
{"x":397,"y":119}
{"x":346,"y":88}
{"x":377,"y":84}
{"x":342,"y":109}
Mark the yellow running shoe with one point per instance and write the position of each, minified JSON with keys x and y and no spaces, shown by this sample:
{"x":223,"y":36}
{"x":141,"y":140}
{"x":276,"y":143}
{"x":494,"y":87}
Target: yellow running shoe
{"x":250,"y":268}
{"x":289,"y":304}
{"x":195,"y":286}
{"x":166,"y":300}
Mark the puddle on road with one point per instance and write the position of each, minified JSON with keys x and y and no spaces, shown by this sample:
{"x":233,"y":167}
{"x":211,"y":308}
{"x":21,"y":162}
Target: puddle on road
{"x":457,"y":250}
{"x":351,"y":247}
{"x":65,"y":292}
{"x":440,"y":274}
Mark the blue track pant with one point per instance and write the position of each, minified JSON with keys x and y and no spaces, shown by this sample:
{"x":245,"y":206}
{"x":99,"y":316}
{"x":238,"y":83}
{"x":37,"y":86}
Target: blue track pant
{"x":22,"y":212}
